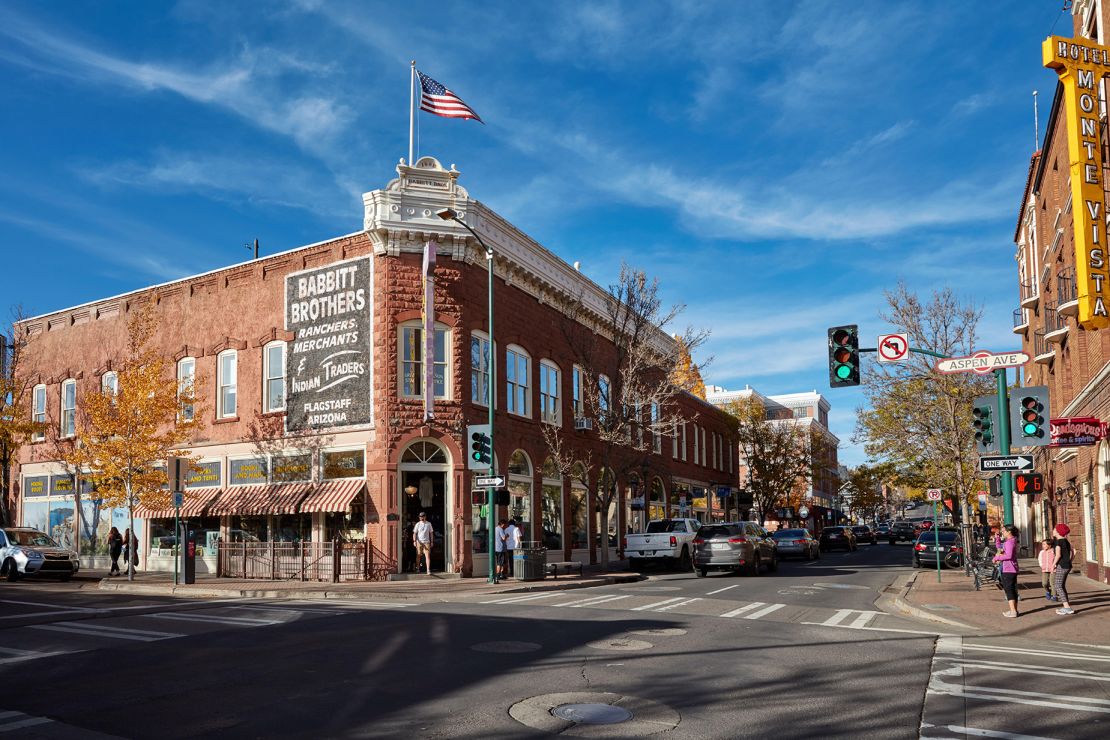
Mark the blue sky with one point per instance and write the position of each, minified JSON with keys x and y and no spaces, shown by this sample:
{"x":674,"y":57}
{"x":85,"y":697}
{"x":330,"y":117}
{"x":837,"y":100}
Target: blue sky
{"x":776,"y":165}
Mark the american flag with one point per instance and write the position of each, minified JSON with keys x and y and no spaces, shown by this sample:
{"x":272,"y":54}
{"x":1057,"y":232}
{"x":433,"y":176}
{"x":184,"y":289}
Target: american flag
{"x":437,"y":99}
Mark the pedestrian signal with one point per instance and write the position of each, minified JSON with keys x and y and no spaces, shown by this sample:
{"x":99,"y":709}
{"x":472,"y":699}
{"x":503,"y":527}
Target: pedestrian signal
{"x":1028,"y":483}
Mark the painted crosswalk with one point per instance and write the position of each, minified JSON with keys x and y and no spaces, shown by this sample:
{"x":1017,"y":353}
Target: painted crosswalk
{"x":101,"y":630}
{"x":12,"y":721}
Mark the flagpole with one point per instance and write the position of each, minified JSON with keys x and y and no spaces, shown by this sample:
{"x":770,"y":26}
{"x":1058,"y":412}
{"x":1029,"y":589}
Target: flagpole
{"x":412,"y":105}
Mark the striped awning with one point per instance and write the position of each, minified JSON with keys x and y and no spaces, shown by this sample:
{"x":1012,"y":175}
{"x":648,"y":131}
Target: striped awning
{"x":196,"y":500}
{"x":259,"y":500}
{"x":333,"y":495}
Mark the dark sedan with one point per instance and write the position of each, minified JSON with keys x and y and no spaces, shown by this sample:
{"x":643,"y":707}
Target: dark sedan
{"x":797,"y":542}
{"x":926,"y":548}
{"x":838,"y":537}
{"x":864,"y":533}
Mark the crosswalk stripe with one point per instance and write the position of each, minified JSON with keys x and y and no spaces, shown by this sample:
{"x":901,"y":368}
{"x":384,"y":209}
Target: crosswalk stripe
{"x":518,"y":599}
{"x":764,"y":611}
{"x":840,"y":616}
{"x":1045,"y":653}
{"x":113,"y":635}
{"x":646,"y":607}
{"x":726,"y":588}
{"x":604,"y":600}
{"x":209,"y":618}
{"x":582,"y":601}
{"x":863,"y":619}
{"x":30,"y":655}
{"x":741,"y":610}
{"x":20,"y":724}
{"x":681,"y":603}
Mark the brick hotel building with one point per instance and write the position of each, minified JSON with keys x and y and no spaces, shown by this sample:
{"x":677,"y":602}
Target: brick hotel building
{"x":310,"y":364}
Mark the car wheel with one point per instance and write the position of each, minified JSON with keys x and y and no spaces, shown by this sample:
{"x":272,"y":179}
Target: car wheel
{"x":684,"y":560}
{"x":774,"y":564}
{"x":11,"y":572}
{"x":702,"y":572}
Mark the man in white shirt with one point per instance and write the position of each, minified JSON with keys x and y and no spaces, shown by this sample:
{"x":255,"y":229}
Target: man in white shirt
{"x":512,"y":542}
{"x":422,"y":538}
{"x":499,"y":549}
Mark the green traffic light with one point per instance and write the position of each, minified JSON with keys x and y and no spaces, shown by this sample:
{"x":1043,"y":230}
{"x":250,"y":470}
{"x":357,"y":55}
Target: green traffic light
{"x":1029,"y":430}
{"x":843,"y":372}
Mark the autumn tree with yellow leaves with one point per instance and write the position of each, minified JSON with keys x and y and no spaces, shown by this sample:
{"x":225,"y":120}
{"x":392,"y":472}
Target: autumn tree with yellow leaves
{"x":686,"y":375}
{"x":124,"y":437}
{"x":16,"y":426}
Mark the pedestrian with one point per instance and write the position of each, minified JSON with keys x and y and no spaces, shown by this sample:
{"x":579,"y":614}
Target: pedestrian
{"x":1007,"y":558}
{"x":422,"y":538}
{"x":1061,"y":566}
{"x":115,"y":549}
{"x":512,"y":542}
{"x":499,"y":550}
{"x":130,"y":550}
{"x":1045,"y":558}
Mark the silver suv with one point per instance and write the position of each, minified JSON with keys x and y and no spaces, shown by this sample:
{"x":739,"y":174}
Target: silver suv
{"x":734,"y":546}
{"x":25,"y":551}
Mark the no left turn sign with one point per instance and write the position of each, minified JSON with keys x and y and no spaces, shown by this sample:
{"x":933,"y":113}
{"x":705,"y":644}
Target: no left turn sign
{"x":893,"y":347}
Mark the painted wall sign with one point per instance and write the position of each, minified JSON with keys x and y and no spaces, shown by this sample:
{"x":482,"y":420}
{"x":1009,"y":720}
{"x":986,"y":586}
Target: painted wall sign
{"x":342,"y":464}
{"x":328,"y":363}
{"x":61,"y":485}
{"x":1076,"y":431}
{"x":204,"y":475}
{"x":36,"y":485}
{"x":291,"y":468}
{"x":1080,"y":65}
{"x":249,"y":471}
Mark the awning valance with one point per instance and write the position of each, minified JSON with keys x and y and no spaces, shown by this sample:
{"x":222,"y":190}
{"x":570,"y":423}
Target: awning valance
{"x":195,"y":501}
{"x":259,"y":500}
{"x":333,"y":495}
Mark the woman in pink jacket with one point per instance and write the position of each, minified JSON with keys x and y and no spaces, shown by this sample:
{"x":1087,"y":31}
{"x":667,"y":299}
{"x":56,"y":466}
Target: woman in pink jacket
{"x":1008,"y":559}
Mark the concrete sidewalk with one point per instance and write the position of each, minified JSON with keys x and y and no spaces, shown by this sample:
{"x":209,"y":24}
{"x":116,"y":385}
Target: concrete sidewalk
{"x":955,"y":601}
{"x":430,"y":588}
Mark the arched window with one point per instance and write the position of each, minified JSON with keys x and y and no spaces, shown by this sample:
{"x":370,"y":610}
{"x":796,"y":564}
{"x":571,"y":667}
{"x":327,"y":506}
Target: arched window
{"x":578,"y":510}
{"x":552,"y":505}
{"x":520,"y":490}
{"x":410,"y":356}
{"x":424,"y":452}
{"x":273,"y":377}
{"x":227,"y":381}
{"x":518,"y":370}
{"x":109,"y":384}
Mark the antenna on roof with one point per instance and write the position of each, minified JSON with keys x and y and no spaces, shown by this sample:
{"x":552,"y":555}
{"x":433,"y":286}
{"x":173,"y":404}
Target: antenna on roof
{"x":248,"y":246}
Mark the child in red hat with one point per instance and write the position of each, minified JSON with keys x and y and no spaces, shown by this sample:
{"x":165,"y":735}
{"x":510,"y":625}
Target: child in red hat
{"x":1061,"y":566}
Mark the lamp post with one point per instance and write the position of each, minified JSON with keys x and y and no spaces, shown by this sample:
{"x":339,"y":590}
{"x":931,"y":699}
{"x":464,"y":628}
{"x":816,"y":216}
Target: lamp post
{"x":450,"y":214}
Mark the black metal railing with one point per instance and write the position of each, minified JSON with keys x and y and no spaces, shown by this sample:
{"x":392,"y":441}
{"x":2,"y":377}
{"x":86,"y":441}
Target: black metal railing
{"x":1040,"y":346}
{"x":303,"y":561}
{"x":1052,"y":319}
{"x":1029,"y":290}
{"x":1019,"y":317}
{"x":1066,"y":291}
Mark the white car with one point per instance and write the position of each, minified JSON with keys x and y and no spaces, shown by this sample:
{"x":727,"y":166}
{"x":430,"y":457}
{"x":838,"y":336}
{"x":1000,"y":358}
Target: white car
{"x":25,"y":551}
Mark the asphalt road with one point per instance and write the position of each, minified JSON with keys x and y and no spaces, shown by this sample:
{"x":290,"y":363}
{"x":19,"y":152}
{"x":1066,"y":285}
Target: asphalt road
{"x":800,"y":653}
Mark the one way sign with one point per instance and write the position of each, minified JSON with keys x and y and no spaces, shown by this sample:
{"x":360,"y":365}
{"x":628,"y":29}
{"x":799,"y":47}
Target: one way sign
{"x":1005,"y":463}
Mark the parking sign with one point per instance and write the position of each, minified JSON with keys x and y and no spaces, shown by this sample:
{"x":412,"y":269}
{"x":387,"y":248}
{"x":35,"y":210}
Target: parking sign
{"x":933,"y":494}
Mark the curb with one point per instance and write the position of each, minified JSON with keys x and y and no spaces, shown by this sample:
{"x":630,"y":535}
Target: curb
{"x":896,"y":603}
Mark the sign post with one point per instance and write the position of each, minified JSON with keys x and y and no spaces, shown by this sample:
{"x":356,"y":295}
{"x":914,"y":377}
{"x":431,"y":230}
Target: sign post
{"x":935,"y":495}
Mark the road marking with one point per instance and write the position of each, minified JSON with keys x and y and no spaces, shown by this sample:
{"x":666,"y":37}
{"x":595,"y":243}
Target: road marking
{"x":1046,"y":653}
{"x":517,"y":599}
{"x":19,"y":724}
{"x":364,"y":604}
{"x":212,"y":619}
{"x":1035,"y":669}
{"x":646,"y":607}
{"x":726,"y":588}
{"x":681,"y":603}
{"x":19,"y":656}
{"x":863,"y":619}
{"x":113,"y":633}
{"x":840,"y":616}
{"x":45,"y":614}
{"x":879,"y":629}
{"x":285,"y":609}
{"x":741,"y":610}
{"x":604,"y":600}
{"x":49,"y":606}
{"x":764,"y":611}
{"x":992,"y":733}
{"x":586,"y":601}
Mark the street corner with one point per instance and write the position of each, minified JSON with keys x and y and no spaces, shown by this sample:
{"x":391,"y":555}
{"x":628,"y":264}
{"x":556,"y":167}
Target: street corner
{"x":903,"y":597}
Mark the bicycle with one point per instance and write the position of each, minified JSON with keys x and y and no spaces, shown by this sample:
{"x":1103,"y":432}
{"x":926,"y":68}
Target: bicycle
{"x":984,"y":569}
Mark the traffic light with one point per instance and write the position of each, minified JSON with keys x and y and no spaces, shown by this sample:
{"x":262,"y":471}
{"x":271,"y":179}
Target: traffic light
{"x":844,"y":356}
{"x":481,"y":447}
{"x":1029,"y":417}
{"x":982,"y":414}
{"x":1028,"y":483}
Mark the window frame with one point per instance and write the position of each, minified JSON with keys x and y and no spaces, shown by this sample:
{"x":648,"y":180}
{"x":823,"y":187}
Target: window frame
{"x":112,"y":376}
{"x":221,"y":384}
{"x":37,"y":416}
{"x":70,"y":383}
{"x":654,"y":431}
{"x":682,"y":447}
{"x":551,"y":401}
{"x":604,"y":396}
{"x":418,"y":326}
{"x":578,"y":406}
{"x":479,"y":379}
{"x":511,"y":383}
{"x":267,"y":378}
{"x":192,"y":378}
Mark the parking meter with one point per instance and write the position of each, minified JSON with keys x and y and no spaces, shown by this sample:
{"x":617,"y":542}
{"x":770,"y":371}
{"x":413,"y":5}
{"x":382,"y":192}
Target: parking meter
{"x":188,"y":554}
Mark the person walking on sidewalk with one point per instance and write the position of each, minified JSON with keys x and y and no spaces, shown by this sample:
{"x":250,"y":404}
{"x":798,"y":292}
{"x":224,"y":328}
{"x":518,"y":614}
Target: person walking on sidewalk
{"x":115,"y":549}
{"x":423,"y":536}
{"x":1045,"y":558}
{"x":1061,"y":566}
{"x":499,"y":549}
{"x":1008,"y":560}
{"x":512,"y":542}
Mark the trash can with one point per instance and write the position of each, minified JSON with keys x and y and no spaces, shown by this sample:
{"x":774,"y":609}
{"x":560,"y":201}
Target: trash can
{"x":530,"y":562}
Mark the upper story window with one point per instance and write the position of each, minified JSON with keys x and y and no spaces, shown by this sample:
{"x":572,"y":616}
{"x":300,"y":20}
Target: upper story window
{"x":38,"y":411}
{"x":479,"y":368}
{"x":697,"y":457}
{"x":576,"y":393}
{"x":109,"y":384}
{"x":704,"y":452}
{"x":682,"y":446}
{"x":227,"y":372}
{"x":186,"y":385}
{"x":674,"y":441}
{"x":68,"y":426}
{"x":549,"y":393}
{"x":273,"y":377}
{"x":801,"y":412}
{"x":411,"y":357}
{"x":517,"y":369}
{"x":656,"y":436}
{"x":604,"y":395}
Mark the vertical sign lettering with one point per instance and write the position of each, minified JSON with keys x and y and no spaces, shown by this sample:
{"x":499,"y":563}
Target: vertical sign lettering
{"x":429,"y":315}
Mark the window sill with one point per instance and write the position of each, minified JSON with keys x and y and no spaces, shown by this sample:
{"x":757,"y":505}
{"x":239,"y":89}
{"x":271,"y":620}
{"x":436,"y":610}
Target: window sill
{"x":226,"y":420}
{"x":275,"y":412}
{"x":520,"y":416}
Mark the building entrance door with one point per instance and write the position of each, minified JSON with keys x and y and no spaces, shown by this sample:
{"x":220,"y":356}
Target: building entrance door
{"x":425,"y":488}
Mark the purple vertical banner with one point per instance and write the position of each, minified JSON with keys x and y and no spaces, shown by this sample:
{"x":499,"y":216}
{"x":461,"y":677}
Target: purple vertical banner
{"x":429,"y":311}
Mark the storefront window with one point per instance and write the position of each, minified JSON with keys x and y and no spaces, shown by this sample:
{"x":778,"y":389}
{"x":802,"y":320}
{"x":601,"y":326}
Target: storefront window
{"x":520,"y":491}
{"x":292,"y":528}
{"x":578,"y":518}
{"x":552,"y":521}
{"x":657,"y":503}
{"x":291,"y":468}
{"x":349,"y":525}
{"x":342,"y":464}
{"x":249,"y":529}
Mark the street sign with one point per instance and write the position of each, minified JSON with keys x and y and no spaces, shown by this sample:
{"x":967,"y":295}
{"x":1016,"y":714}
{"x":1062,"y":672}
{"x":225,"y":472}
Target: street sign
{"x":1005,"y":463}
{"x":982,"y":362}
{"x":489,"y":481}
{"x":178,"y":499}
{"x":933,"y":494}
{"x":893,"y":347}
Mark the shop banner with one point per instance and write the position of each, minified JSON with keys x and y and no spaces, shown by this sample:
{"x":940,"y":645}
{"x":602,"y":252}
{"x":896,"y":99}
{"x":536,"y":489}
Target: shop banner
{"x":250,"y":471}
{"x":1076,"y":431}
{"x":61,"y":485}
{"x":204,"y":475}
{"x":36,"y":485}
{"x":327,"y":364}
{"x":291,"y":468}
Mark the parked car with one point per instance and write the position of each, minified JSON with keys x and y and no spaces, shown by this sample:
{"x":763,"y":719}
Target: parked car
{"x":734,"y":546}
{"x":883,"y":530}
{"x":864,"y":533}
{"x":832,"y":537}
{"x":902,"y":531}
{"x":25,"y":551}
{"x":925,"y":549}
{"x":665,"y":541}
{"x":797,"y":542}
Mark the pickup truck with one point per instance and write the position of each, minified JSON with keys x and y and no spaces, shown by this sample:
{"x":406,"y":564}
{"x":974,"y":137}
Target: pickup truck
{"x":665,"y":541}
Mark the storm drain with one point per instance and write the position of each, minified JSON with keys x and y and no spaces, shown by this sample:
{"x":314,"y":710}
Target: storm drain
{"x":594,"y":714}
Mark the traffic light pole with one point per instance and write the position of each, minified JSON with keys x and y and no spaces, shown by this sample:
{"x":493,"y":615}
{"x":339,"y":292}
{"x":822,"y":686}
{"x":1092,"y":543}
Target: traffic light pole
{"x":1006,"y":485}
{"x":491,"y":500}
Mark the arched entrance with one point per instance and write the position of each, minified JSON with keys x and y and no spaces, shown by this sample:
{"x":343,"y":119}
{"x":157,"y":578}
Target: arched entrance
{"x":425,"y":480}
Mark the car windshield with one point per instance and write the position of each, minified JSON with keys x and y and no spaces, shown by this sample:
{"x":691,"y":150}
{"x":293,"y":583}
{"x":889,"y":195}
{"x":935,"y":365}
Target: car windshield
{"x":783,"y":534}
{"x":714,"y":531}
{"x":861,"y":528}
{"x":29,"y":538}
{"x":666,"y":525}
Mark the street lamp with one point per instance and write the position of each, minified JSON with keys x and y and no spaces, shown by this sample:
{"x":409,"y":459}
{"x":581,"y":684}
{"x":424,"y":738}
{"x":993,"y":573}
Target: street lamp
{"x":450,"y":214}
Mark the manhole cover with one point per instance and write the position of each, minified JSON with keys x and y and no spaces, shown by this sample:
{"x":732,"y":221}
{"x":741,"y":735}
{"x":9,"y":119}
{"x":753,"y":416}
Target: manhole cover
{"x":592,"y":714}
{"x":506,"y":646}
{"x":620,"y":643}
{"x":666,"y":631}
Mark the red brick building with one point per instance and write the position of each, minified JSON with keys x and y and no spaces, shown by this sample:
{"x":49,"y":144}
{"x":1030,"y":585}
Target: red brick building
{"x":310,"y":367}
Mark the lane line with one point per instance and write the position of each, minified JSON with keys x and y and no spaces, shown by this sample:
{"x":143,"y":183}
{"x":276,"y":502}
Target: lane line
{"x":764,"y":611}
{"x":1045,"y":653}
{"x":879,"y":629}
{"x":681,"y":603}
{"x":49,"y":606}
{"x":212,"y":619}
{"x":107,"y":629}
{"x":34,"y":656}
{"x":977,"y":732}
{"x":517,"y":599}
{"x":741,"y":610}
{"x":646,"y":607}
{"x":45,"y":614}
{"x":98,"y":633}
{"x":840,"y":616}
{"x":726,"y":588}
{"x":29,"y":722}
{"x":1035,"y":669}
{"x":605,"y":600}
{"x":586,"y":600}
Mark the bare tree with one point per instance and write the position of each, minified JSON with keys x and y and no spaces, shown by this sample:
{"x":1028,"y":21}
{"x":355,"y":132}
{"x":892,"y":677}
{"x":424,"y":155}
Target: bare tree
{"x":629,"y":385}
{"x":16,"y":421}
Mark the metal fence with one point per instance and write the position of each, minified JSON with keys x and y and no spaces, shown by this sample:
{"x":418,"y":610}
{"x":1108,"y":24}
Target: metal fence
{"x":303,"y":561}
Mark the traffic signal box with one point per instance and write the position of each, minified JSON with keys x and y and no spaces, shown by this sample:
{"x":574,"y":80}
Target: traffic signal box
{"x":844,"y":356}
{"x":481,"y":447}
{"x":1029,"y":417}
{"x":983,"y":413}
{"x":1028,"y":483}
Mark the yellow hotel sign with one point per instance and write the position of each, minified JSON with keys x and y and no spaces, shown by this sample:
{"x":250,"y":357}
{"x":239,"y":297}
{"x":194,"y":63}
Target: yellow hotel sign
{"x":1080,"y":65}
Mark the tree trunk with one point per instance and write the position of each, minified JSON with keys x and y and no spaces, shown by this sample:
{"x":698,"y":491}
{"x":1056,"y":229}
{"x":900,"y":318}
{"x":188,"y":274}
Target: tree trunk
{"x":133,"y":545}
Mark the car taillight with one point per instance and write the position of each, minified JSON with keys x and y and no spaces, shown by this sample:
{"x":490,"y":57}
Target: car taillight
{"x":919,"y":546}
{"x":956,"y":548}
{"x":699,"y":541}
{"x":674,"y":541}
{"x":737,"y":540}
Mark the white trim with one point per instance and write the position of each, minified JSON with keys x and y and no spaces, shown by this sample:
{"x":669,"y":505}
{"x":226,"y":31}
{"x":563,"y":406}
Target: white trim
{"x":266,"y":379}
{"x":511,"y":386}
{"x":72,"y":383}
{"x":38,"y":436}
{"x":221,"y":412}
{"x":557,"y":397}
{"x":192,"y":376}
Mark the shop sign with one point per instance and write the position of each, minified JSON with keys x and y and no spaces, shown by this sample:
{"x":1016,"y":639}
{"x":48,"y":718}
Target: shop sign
{"x":204,"y":475}
{"x":343,"y":464}
{"x":1076,"y":431}
{"x":291,"y":468}
{"x":327,"y":364}
{"x":251,"y":470}
{"x":1080,"y":65}
{"x":61,"y":485}
{"x":37,"y":485}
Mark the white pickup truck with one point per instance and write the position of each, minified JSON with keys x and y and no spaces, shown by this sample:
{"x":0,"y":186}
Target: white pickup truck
{"x":665,"y":541}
